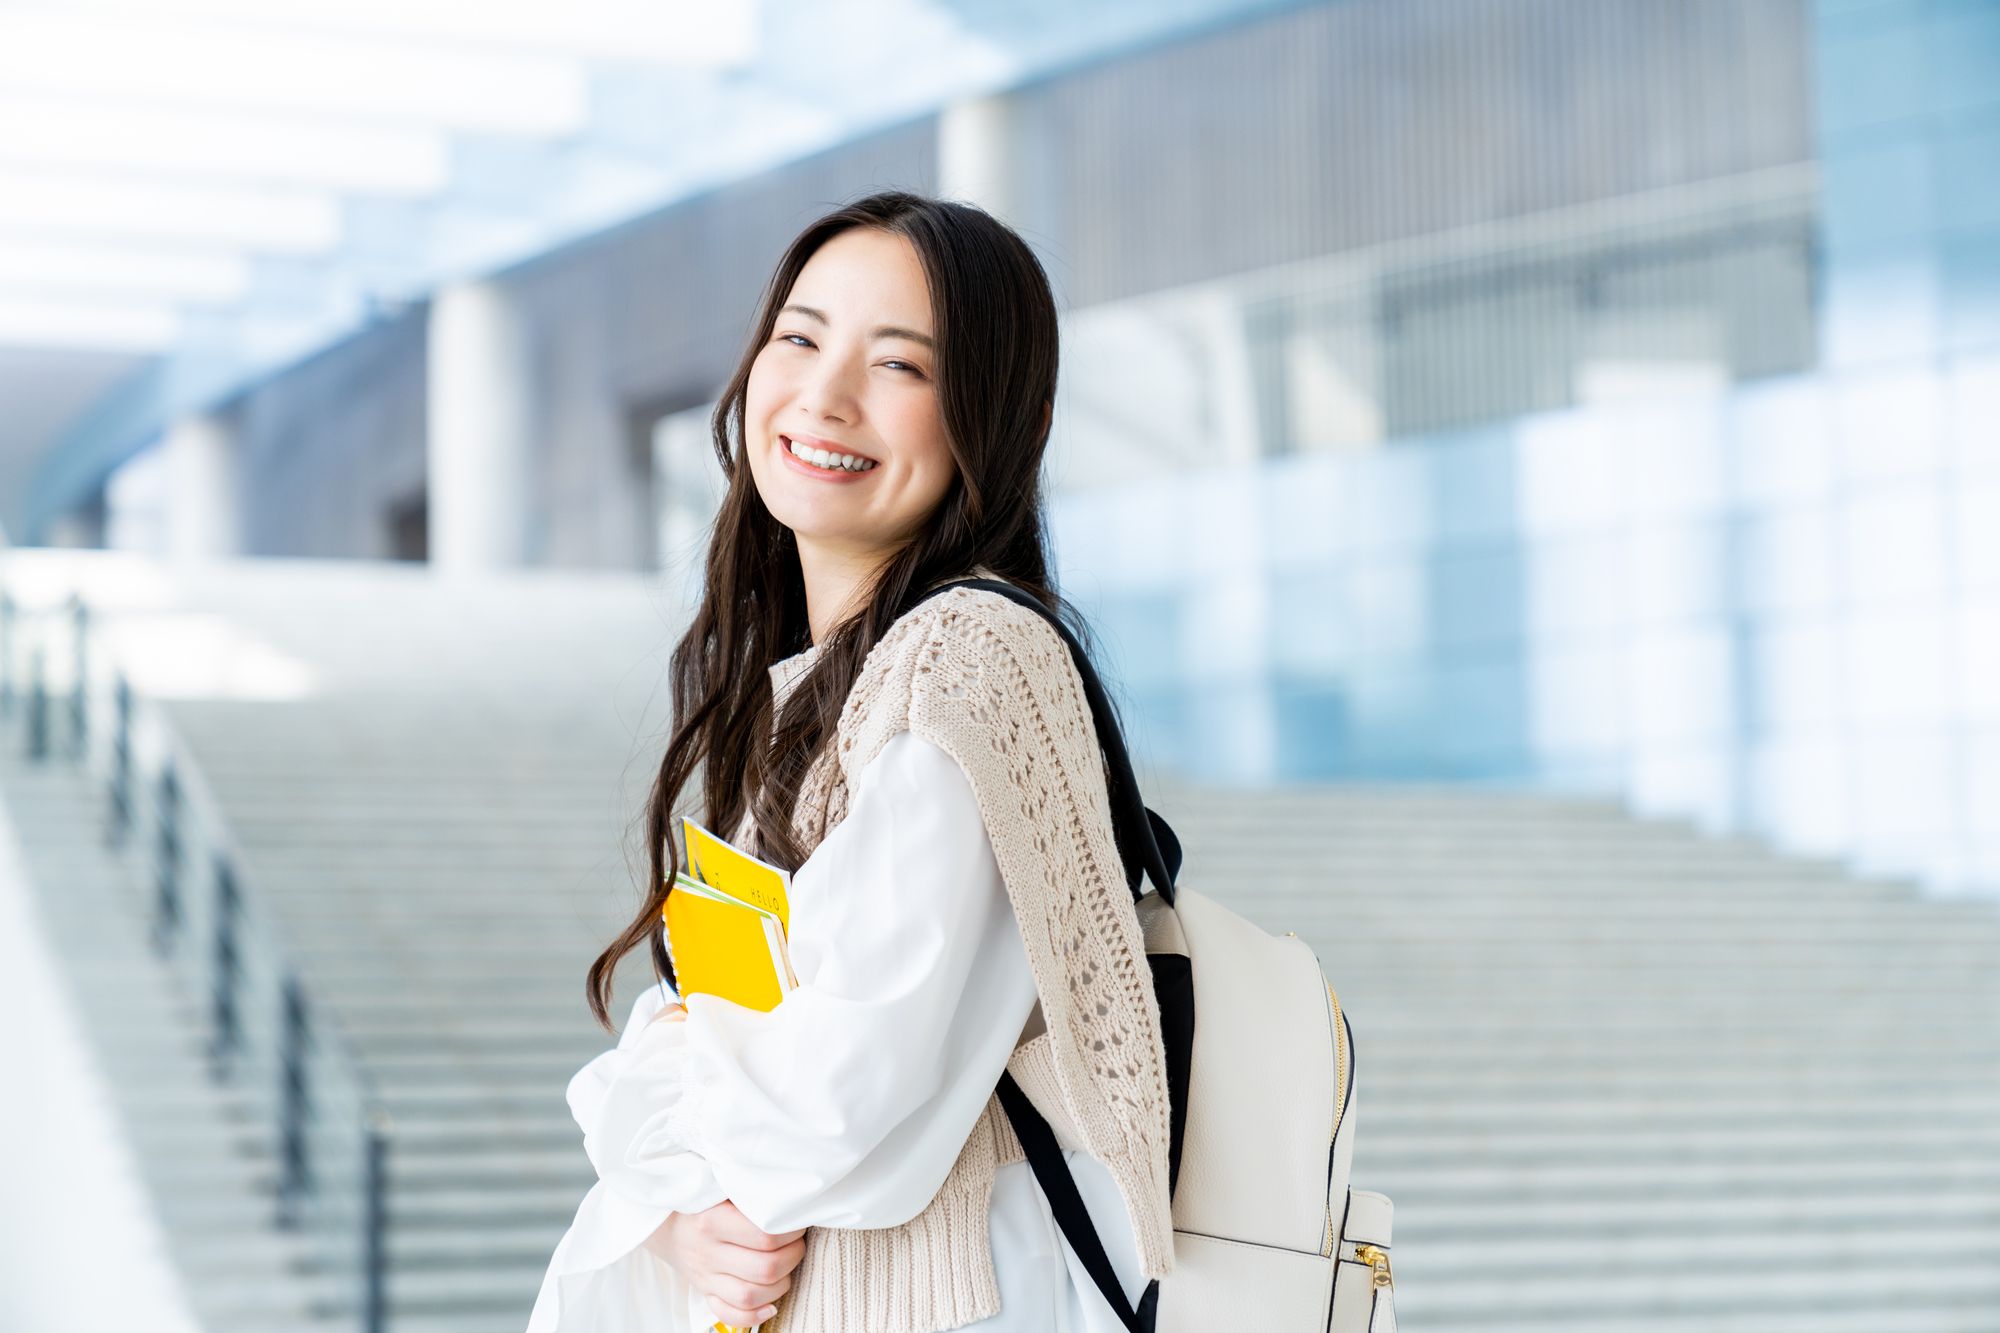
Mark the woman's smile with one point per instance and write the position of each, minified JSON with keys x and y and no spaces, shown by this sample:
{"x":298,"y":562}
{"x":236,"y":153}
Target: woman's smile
{"x":835,"y":473}
{"x":844,"y":388}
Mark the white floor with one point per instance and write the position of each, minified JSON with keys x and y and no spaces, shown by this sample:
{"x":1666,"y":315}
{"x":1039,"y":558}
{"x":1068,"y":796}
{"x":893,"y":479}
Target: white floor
{"x":80,"y":1249}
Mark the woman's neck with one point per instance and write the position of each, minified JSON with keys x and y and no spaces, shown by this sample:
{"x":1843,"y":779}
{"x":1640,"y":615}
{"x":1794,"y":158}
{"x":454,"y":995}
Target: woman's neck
{"x":837,"y":584}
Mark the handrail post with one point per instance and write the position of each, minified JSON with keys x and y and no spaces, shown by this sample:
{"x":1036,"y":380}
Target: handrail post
{"x":119,"y":825}
{"x":38,"y":707}
{"x":228,"y":1033}
{"x":375,"y":1227}
{"x":6,"y":655}
{"x":295,"y":1177}
{"x":167,"y":864}
{"x":79,"y":693}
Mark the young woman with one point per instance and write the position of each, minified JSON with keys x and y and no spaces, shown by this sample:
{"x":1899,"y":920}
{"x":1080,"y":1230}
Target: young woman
{"x":929,"y":774}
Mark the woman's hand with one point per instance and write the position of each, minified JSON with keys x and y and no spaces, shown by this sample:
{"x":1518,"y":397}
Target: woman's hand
{"x":740,"y":1269}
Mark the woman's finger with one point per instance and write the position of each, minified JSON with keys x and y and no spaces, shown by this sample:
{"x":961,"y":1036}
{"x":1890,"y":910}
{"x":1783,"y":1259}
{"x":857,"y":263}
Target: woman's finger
{"x":726,"y":1222}
{"x":750,"y":1295}
{"x":736,"y":1316}
{"x":765,"y":1266}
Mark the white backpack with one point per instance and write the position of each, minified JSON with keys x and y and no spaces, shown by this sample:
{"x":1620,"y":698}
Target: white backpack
{"x":1268,"y":1234}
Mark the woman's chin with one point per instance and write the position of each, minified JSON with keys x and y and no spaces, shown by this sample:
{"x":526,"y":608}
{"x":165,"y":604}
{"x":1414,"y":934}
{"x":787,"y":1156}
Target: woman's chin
{"x":813,"y":526}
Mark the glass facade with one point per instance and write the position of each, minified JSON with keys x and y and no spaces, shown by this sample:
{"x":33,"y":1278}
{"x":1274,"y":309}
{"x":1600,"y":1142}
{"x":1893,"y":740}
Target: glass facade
{"x":1773,"y":610}
{"x":1701,"y":511}
{"x":1909,"y":120}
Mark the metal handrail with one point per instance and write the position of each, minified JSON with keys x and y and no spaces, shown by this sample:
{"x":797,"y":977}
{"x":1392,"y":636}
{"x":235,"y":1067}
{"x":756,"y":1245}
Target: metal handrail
{"x":317,"y":1085}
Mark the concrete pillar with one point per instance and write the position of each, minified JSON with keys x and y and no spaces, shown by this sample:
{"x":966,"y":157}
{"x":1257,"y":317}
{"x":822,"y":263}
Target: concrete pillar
{"x":481,"y":418}
{"x":81,"y":528}
{"x":976,"y":156}
{"x":203,"y":518}
{"x":1235,"y":432}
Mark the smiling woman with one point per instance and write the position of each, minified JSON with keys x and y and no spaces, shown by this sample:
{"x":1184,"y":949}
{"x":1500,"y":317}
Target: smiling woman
{"x":841,"y":394}
{"x":930,"y":777}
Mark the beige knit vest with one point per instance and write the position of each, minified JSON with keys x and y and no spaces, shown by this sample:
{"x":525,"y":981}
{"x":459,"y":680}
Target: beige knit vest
{"x":993,"y":685}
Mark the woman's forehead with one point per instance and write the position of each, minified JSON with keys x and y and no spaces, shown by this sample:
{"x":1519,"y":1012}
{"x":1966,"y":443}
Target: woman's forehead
{"x":867,"y":275}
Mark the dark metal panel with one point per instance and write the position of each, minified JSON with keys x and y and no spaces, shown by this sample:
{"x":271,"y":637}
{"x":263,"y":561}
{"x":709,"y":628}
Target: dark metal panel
{"x":1347,"y":125}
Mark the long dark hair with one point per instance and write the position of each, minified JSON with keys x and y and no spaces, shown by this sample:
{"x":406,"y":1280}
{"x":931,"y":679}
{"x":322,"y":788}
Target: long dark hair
{"x":994,"y":320}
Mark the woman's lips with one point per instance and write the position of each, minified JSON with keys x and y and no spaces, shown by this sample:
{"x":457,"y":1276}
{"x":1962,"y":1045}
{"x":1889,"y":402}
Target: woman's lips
{"x":797,"y":464}
{"x":831,"y":446}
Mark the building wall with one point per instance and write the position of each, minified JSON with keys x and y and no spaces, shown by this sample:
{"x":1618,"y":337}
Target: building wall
{"x":330,"y":447}
{"x":1322,"y":130}
{"x":1768,"y":604}
{"x":635,"y":323}
{"x":1773,"y":606}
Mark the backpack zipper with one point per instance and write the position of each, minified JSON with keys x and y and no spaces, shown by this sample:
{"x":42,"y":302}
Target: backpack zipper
{"x":1339,"y":1102}
{"x":1339,"y":1061}
{"x":1327,"y":1245}
{"x":1376,"y":1258}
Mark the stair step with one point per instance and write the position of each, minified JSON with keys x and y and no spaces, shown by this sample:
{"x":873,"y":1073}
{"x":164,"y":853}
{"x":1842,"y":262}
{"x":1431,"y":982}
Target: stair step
{"x":1776,"y":1213}
{"x":1886,"y":1287}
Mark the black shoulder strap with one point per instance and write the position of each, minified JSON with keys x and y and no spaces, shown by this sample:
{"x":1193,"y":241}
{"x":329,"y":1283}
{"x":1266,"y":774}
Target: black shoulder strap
{"x":1146,"y":844}
{"x":1066,"y":1202}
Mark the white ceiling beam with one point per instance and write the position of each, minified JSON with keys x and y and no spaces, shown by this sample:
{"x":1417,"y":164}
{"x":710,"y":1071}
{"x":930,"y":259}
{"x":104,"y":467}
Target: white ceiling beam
{"x":196,"y":62}
{"x":657,"y":32}
{"x":70,"y":206}
{"x":175,"y":141}
{"x":46,"y":266}
{"x":122,"y":326}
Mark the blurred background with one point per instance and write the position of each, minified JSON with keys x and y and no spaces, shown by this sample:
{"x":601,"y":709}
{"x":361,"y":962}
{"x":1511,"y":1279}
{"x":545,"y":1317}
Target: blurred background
{"x":1532,"y":467}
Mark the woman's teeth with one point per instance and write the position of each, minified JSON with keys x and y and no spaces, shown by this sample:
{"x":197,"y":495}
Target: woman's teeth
{"x":827,"y":459}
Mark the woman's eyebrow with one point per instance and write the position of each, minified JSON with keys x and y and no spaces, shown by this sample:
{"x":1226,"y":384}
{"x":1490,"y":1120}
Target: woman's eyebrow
{"x":880,"y":330}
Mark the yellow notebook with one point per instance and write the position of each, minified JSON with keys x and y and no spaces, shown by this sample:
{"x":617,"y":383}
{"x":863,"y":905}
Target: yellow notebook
{"x":737,"y":873}
{"x":726,"y":924}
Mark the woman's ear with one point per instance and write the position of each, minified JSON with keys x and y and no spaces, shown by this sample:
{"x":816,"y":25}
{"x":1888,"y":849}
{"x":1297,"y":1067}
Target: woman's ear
{"x":1048,"y":413}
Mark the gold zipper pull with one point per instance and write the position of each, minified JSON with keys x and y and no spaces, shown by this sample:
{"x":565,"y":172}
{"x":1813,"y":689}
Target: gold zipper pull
{"x":1377,"y":1259}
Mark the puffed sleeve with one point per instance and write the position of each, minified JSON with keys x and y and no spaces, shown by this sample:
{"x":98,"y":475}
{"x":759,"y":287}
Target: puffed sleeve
{"x":848,"y":1104}
{"x":600,"y":1277}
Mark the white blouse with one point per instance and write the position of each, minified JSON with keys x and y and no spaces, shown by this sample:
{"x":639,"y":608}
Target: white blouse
{"x":846,"y":1105}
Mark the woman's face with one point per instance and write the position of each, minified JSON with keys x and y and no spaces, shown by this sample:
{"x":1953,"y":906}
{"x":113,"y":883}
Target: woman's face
{"x":849,"y":368}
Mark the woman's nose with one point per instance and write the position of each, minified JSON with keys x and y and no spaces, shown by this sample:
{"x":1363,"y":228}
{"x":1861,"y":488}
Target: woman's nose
{"x":828,"y":392}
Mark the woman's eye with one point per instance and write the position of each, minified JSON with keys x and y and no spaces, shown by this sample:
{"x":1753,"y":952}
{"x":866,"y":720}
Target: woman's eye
{"x":804,"y":341}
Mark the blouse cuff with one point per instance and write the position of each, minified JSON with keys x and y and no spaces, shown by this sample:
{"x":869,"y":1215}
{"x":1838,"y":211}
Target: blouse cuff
{"x":641,"y":1114}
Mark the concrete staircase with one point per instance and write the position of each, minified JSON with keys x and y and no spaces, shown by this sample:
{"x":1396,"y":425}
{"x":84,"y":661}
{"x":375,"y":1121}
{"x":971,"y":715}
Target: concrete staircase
{"x":446,"y":906}
{"x":1617,"y":1076}
{"x":204,"y":1154}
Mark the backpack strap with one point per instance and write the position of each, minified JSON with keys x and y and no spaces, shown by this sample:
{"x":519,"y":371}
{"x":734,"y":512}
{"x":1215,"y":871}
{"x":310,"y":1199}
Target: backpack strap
{"x":1146,"y":843}
{"x":1066,"y":1202}
{"x":1148,"y":846}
